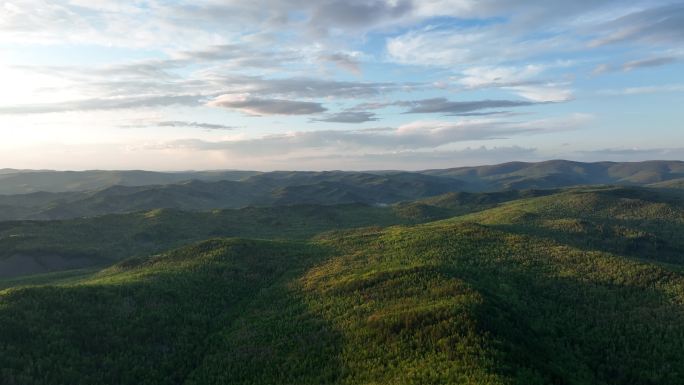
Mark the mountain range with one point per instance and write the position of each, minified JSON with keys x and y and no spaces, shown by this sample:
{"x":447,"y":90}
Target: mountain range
{"x":572,"y":286}
{"x":92,"y":193}
{"x":523,"y":273}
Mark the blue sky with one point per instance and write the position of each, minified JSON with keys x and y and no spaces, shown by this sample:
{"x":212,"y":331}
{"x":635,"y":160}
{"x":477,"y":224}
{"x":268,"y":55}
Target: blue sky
{"x":338,"y":84}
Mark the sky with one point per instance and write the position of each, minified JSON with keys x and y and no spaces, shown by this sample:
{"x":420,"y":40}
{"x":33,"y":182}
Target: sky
{"x":338,"y":84}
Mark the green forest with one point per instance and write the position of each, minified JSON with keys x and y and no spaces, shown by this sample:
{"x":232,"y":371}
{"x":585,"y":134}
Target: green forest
{"x":574,"y":286}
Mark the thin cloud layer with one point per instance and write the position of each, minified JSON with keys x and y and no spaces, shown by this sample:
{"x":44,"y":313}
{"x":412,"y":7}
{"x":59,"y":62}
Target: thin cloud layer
{"x":418,"y":135}
{"x":646,"y":63}
{"x":206,"y":126}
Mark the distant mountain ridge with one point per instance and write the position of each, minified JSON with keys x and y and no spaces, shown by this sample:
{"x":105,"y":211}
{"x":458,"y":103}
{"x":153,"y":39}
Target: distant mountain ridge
{"x":563,"y":173}
{"x":272,"y":189}
{"x":93,"y":193}
{"x":29,"y":181}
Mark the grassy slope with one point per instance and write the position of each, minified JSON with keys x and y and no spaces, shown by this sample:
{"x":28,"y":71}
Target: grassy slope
{"x":470,"y":300}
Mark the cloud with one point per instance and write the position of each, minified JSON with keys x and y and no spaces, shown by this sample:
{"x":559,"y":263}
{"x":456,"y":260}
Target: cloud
{"x":258,"y":107}
{"x":492,"y":45}
{"x":442,"y":105}
{"x":489,"y":113}
{"x":601,"y":69}
{"x":317,"y":19}
{"x":493,"y":76}
{"x":635,"y":154}
{"x":548,"y":93}
{"x":206,"y":126}
{"x":355,"y":14}
{"x":279,"y":57}
{"x":644,"y":90}
{"x":104,"y":104}
{"x":184,"y":24}
{"x":418,"y":135}
{"x":348,"y":117}
{"x":662,"y":24}
{"x":523,"y":81}
{"x":241,"y":55}
{"x":418,"y":160}
{"x":344,"y":61}
{"x":645,"y":63}
{"x":305,"y":87}
{"x":120,"y":86}
{"x":635,"y":64}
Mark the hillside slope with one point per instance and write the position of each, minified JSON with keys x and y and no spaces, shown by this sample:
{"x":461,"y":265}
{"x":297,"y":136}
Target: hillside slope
{"x":487,"y":298}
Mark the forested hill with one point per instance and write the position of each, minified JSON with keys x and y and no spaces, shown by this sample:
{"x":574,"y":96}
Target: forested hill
{"x":93,"y":193}
{"x":521,"y":291}
{"x":30,"y":247}
{"x":515,"y":175}
{"x":274,"y":189}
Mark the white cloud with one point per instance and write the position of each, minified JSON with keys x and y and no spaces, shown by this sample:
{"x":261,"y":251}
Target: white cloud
{"x":550,"y":92}
{"x":524,"y":81}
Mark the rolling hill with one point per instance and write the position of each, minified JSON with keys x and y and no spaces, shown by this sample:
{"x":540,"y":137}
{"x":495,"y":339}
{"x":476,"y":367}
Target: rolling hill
{"x":31,"y":247}
{"x":106,"y":192}
{"x":516,"y":293}
{"x":273,"y":189}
